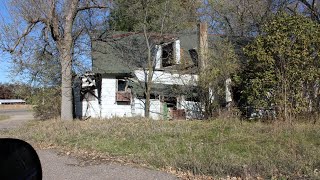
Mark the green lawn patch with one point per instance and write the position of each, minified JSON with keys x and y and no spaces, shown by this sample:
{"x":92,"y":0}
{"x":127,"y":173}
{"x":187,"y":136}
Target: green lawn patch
{"x":217,"y":148}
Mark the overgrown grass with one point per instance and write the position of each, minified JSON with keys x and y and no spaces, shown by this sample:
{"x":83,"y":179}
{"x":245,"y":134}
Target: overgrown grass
{"x":217,"y":148}
{"x":4,"y":117}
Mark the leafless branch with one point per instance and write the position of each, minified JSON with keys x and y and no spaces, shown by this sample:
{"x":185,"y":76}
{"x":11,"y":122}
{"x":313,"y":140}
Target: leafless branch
{"x":25,"y":33}
{"x":92,"y":7}
{"x":312,"y":8}
{"x":54,"y":22}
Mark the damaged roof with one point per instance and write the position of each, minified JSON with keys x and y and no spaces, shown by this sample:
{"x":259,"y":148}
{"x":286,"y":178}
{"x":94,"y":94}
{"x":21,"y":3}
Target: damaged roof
{"x":123,"y":52}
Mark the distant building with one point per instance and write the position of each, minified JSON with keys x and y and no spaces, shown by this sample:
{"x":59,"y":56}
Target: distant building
{"x":12,"y":101}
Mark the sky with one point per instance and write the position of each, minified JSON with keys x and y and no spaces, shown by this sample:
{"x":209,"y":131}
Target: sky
{"x":4,"y":70}
{"x":4,"y":59}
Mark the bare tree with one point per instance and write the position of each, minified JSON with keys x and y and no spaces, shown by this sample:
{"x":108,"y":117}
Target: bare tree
{"x":241,"y":17}
{"x":309,"y":7}
{"x":49,"y":23}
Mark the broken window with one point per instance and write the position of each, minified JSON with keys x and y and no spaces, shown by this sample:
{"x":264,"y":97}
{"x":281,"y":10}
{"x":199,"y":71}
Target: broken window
{"x":89,"y":95}
{"x":193,"y":98}
{"x":123,"y":94}
{"x":171,"y":101}
{"x":168,"y":55}
{"x":194,"y":56}
{"x":91,"y":87}
{"x":122,"y":85}
{"x":193,"y":95}
{"x":143,"y":96}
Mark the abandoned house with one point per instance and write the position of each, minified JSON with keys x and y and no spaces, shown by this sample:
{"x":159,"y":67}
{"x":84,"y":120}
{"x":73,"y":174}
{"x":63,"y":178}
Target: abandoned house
{"x":116,"y":86}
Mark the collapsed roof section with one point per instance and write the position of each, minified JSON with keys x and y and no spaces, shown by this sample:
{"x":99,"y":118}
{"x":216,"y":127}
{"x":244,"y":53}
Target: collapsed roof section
{"x":124,"y":52}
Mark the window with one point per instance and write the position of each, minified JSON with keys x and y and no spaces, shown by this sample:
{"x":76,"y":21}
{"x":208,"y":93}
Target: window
{"x":168,"y":55}
{"x":194,"y":56}
{"x":123,"y":94}
{"x":122,"y":85}
{"x":171,"y":101}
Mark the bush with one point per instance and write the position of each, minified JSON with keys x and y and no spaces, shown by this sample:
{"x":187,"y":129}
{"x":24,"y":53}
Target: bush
{"x":47,"y":103}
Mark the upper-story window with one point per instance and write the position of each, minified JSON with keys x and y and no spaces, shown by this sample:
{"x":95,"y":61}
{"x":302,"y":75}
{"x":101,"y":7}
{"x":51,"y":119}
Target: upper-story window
{"x":167,"y":57}
{"x":167,"y":54}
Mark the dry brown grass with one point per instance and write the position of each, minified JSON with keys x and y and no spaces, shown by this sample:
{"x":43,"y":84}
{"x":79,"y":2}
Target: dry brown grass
{"x":4,"y":117}
{"x":207,"y":148}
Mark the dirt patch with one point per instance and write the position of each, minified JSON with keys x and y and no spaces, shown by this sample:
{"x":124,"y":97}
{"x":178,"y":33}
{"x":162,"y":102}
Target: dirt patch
{"x":15,"y":106}
{"x":16,"y":119}
{"x":4,"y":117}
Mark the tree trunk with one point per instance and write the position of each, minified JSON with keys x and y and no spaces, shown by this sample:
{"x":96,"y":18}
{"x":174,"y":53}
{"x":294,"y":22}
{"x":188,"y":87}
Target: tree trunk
{"x":149,"y":73}
{"x":66,"y":85}
{"x":66,"y":47}
{"x":147,"y":103}
{"x":148,"y":86}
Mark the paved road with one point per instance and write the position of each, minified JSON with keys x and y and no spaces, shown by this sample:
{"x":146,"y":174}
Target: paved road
{"x":64,"y":167}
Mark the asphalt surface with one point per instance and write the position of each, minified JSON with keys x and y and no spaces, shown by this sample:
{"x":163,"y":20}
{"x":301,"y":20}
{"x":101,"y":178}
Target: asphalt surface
{"x":59,"y":167}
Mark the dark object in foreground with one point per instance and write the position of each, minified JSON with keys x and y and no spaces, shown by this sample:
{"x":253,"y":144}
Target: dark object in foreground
{"x":18,"y":160}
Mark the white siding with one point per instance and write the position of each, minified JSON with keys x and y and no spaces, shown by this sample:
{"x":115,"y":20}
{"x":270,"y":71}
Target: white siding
{"x":155,"y":108}
{"x":91,"y":108}
{"x":228,"y":91}
{"x":168,"y":78}
{"x":158,"y":56}
{"x":110,"y":107}
{"x":193,"y":109}
{"x":177,"y":51}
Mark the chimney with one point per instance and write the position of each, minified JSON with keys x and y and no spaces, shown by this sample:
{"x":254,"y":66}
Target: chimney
{"x":203,"y":44}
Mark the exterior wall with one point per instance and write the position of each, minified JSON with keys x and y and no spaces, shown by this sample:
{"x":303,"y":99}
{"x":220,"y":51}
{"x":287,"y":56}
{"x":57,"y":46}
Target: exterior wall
{"x":162,"y":77}
{"x":91,"y":108}
{"x":177,"y":51}
{"x":110,"y":108}
{"x":158,"y":56}
{"x":228,"y":91}
{"x":193,"y":110}
{"x":155,"y":108}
